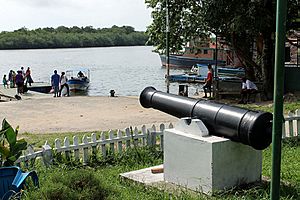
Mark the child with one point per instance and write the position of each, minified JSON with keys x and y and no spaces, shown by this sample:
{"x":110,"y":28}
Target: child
{"x":4,"y":81}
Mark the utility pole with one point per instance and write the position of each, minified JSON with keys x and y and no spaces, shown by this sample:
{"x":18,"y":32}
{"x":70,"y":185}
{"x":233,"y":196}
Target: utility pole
{"x":278,"y":98}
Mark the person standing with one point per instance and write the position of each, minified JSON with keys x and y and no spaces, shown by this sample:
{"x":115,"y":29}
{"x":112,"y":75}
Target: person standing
{"x":20,"y":82}
{"x":4,"y":81}
{"x":55,"y":83}
{"x":23,"y":71}
{"x":28,"y":77}
{"x":63,"y":83}
{"x":208,"y":82}
{"x":10,"y":78}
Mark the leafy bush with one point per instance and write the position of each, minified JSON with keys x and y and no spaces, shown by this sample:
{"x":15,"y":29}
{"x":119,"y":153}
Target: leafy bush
{"x":10,"y":147}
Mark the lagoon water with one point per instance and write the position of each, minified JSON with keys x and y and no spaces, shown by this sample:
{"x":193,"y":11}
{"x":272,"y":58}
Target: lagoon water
{"x":127,"y":70}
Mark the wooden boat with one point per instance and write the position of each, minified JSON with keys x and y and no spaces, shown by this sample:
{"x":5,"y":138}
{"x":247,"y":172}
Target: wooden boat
{"x":78,"y":79}
{"x":202,"y":52}
{"x":199,"y":72}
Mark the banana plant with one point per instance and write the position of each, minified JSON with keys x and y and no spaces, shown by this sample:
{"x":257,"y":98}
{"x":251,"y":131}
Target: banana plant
{"x":10,"y":148}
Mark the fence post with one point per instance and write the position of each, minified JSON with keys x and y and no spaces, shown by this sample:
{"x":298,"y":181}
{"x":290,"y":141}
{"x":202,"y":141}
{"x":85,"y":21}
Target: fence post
{"x":291,"y":125}
{"x":148,"y":137}
{"x":162,"y":128}
{"x":76,"y":149}
{"x":103,"y":145}
{"x":120,"y":148}
{"x":298,"y":122}
{"x":85,"y":150}
{"x":47,"y":154}
{"x":67,"y":145}
{"x":135,"y":136}
{"x":128,"y":135}
{"x":144,"y":133}
{"x":111,"y":144}
{"x":94,"y":144}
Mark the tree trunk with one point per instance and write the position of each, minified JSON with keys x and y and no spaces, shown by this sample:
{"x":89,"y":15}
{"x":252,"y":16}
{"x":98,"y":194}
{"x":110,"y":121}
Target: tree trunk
{"x":268,"y":67}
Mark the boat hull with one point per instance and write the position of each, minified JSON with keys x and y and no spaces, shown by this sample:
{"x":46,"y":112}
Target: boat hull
{"x":78,"y":84}
{"x":179,"y":61}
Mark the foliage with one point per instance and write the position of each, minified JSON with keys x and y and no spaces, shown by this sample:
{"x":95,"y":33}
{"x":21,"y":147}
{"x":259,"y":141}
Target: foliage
{"x":240,"y":23}
{"x":10,"y":147}
{"x":74,"y":37}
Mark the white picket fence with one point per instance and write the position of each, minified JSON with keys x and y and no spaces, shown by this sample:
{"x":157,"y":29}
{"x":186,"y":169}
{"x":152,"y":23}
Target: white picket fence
{"x":291,"y":126}
{"x":118,"y":141}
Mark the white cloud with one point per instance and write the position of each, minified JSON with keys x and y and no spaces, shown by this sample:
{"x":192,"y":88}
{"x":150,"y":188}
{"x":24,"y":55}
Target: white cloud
{"x":52,"y":13}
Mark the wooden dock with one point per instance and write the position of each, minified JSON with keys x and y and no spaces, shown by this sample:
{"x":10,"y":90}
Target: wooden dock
{"x":37,"y":90}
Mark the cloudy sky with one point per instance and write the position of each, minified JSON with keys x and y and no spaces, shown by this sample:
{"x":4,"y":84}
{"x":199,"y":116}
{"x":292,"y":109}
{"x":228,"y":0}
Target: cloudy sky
{"x":32,"y":14}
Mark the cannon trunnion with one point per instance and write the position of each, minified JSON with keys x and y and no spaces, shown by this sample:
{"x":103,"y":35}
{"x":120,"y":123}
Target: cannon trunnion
{"x":253,"y":128}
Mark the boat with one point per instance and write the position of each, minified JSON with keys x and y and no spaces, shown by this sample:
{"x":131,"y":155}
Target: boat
{"x":201,"y":52}
{"x":184,"y":62}
{"x":78,"y":79}
{"x":198,"y":74}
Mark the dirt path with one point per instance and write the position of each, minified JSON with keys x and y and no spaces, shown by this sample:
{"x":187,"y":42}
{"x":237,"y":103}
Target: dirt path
{"x":73,"y":114}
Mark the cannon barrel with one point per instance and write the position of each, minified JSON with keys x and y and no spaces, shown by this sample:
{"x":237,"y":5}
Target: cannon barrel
{"x":253,"y":128}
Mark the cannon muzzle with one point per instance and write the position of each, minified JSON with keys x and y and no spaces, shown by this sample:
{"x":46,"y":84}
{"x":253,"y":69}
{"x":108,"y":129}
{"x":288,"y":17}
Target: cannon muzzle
{"x":253,"y":128}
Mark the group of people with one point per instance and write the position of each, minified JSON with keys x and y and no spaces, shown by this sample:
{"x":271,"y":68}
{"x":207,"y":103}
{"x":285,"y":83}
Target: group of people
{"x":248,"y":87}
{"x":19,"y":79}
{"x":58,"y":82}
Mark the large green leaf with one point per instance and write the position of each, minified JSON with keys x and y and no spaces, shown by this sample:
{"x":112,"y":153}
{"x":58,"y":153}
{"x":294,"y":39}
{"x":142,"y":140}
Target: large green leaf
{"x":18,"y":146}
{"x":9,"y":132}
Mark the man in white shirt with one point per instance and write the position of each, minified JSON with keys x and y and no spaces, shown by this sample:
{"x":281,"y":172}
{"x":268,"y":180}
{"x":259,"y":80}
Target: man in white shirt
{"x":248,"y":88}
{"x":63,"y":83}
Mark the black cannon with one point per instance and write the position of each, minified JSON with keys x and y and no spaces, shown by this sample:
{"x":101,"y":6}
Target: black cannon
{"x":253,"y":128}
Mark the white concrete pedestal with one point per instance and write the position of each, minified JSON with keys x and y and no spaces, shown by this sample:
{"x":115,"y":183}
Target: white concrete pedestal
{"x":207,"y":163}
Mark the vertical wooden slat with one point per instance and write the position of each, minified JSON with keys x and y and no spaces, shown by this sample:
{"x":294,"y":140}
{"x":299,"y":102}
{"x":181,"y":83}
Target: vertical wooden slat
{"x":162,"y":128}
{"x":85,"y":150}
{"x":120,"y":148}
{"x":111,"y":144}
{"x":144,"y":133}
{"x":103,"y":146}
{"x":283,"y":130}
{"x":298,"y":122}
{"x":94,"y":144}
{"x":291,"y":126}
{"x":76,"y":150}
{"x":127,"y":132}
{"x":135,"y":134}
{"x":149,"y":137}
{"x":57,"y":143}
{"x":67,"y":145}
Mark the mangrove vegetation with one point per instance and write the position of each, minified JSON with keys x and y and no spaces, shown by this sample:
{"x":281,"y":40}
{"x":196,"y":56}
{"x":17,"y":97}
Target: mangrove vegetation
{"x":73,"y":37}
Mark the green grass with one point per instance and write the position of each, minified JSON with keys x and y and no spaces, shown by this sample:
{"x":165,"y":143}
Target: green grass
{"x":287,"y":106}
{"x":74,"y":181}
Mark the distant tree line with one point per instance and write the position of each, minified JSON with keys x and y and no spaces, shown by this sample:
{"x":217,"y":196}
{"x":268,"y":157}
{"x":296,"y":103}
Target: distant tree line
{"x":74,"y":37}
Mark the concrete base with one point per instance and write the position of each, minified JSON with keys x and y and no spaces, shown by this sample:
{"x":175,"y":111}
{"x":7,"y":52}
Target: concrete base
{"x":144,"y":176}
{"x":207,"y":164}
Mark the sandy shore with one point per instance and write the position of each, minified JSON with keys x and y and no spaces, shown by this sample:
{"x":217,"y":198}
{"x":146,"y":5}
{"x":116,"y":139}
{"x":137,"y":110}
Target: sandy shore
{"x":75,"y":114}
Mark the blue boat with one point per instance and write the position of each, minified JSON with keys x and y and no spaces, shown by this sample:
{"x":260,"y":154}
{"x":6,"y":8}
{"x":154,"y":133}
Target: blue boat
{"x":199,"y":72}
{"x":78,"y":79}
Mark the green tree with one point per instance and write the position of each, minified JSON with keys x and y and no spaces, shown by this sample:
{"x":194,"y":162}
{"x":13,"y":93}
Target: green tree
{"x":242,"y":23}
